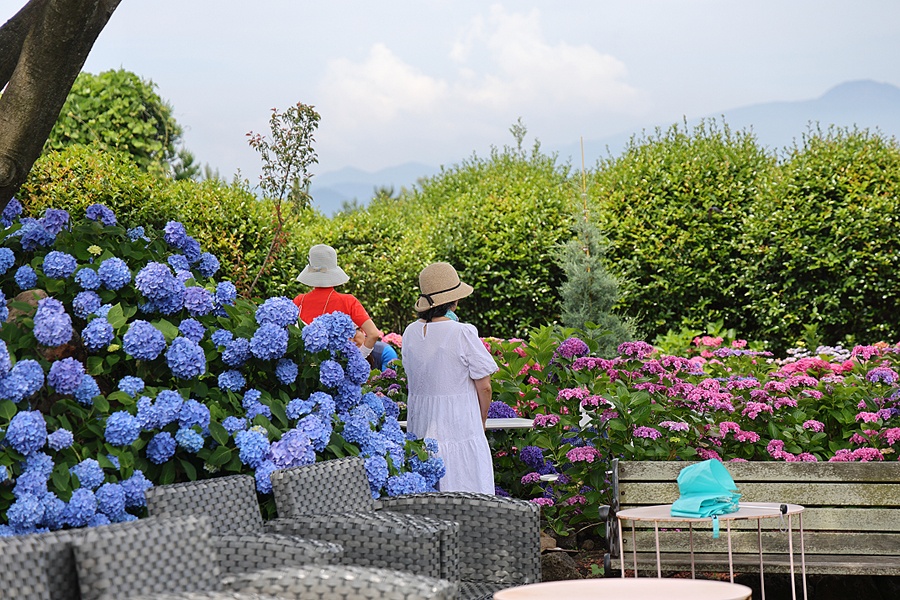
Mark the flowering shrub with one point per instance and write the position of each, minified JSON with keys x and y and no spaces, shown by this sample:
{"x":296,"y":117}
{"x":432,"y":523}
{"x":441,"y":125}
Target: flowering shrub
{"x":124,"y":364}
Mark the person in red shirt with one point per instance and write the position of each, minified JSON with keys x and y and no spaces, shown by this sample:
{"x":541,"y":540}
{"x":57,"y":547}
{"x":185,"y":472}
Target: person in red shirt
{"x":323,"y":274}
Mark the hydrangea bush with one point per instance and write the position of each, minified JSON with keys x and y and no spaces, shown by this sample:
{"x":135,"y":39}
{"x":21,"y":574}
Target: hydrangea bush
{"x":124,"y":364}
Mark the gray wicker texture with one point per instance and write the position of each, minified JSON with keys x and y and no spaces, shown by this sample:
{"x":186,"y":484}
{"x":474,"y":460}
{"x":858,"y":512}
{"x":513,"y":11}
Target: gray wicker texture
{"x":230,"y":503}
{"x":23,"y":568}
{"x":499,"y":538}
{"x":147,"y":556}
{"x":206,"y":596}
{"x":480,"y":590}
{"x":338,"y":485}
{"x":382,"y":540}
{"x":251,"y":552}
{"x":334,"y":582}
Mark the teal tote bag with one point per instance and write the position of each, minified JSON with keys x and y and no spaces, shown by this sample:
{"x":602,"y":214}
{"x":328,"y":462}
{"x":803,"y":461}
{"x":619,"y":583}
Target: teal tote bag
{"x":707,"y":490}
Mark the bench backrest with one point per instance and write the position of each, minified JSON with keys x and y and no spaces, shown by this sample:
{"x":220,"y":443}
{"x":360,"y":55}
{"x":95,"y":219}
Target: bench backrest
{"x":851,"y":508}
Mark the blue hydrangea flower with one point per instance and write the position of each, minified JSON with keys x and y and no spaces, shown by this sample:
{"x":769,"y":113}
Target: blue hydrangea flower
{"x":25,"y":277}
{"x":183,"y":276}
{"x":60,"y":439}
{"x":161,"y":448}
{"x":30,"y":483}
{"x":98,"y":334}
{"x":4,"y":475}
{"x":5,"y":360}
{"x":234,"y":424}
{"x":257,"y":408}
{"x":81,"y":507}
{"x":198,"y":301}
{"x":65,"y":375}
{"x":13,"y":209}
{"x":325,"y":404}
{"x":59,"y":265}
{"x":189,"y":439}
{"x":292,"y":450}
{"x":358,"y":368}
{"x":131,"y":385}
{"x":286,"y":371}
{"x":192,"y":330}
{"x":114,"y":273}
{"x":406,"y":483}
{"x":114,"y":460}
{"x":86,"y":303}
{"x":54,"y":220}
{"x":298,"y":407}
{"x":7,"y":259}
{"x":34,"y":235}
{"x":136,"y":233}
{"x":318,"y":432}
{"x":156,"y":282}
{"x":194,"y":413}
{"x":236,"y":353}
{"x":269,"y":342}
{"x":25,"y":513}
{"x":374,"y":402}
{"x":143,"y":341}
{"x":179,"y":262}
{"x":341,"y":329}
{"x":191,"y":249}
{"x":87,"y":278}
{"x":391,"y":430}
{"x":226,"y":293}
{"x":122,"y":429}
{"x":52,"y":326}
{"x":103,"y":311}
{"x":209,"y":264}
{"x":175,"y":235}
{"x":253,"y":445}
{"x":263,"y":476}
{"x":54,"y":511}
{"x":134,"y":487}
{"x":40,"y":463}
{"x":431,"y":445}
{"x":168,"y":407}
{"x":4,"y":310}
{"x":348,"y":394}
{"x":357,"y":429}
{"x":186,"y":359}
{"x":89,"y":473}
{"x":147,"y":414}
{"x":99,"y":212}
{"x":376,"y":473}
{"x":110,"y":499}
{"x":26,"y":378}
{"x":330,"y":373}
{"x":279,"y":311}
{"x":315,"y":336}
{"x":220,"y":337}
{"x":232,"y":380}
{"x":431,"y":470}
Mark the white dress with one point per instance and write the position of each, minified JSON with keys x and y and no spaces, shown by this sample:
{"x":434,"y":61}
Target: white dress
{"x":441,"y":362}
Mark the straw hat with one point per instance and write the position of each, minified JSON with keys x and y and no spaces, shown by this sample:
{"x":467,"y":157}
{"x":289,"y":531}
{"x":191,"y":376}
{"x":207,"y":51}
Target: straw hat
{"x":322,"y":270}
{"x":439,"y":284}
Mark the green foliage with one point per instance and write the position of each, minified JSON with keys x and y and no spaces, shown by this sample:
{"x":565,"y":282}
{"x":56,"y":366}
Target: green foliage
{"x":289,"y":154}
{"x":673,"y":207}
{"x":119,"y":110}
{"x":589,"y":291}
{"x":822,"y":249}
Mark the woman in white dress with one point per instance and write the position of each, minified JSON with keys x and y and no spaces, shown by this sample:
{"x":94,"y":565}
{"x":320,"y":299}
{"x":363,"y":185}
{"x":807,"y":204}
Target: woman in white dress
{"x":449,"y":372}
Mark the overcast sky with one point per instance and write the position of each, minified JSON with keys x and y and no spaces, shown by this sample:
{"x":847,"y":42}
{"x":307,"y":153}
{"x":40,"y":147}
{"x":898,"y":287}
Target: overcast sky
{"x":434,"y":80}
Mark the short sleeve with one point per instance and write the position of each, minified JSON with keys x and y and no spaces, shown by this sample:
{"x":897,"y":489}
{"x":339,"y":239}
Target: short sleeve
{"x":474,"y":355}
{"x":357,"y":312}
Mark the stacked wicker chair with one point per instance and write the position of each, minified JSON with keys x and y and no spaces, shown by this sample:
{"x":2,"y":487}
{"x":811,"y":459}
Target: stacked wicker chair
{"x":487,"y":543}
{"x":241,"y":544}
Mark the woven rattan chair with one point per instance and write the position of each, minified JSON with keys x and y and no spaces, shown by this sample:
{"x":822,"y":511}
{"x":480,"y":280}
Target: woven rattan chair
{"x":496,"y":541}
{"x":237,"y":527}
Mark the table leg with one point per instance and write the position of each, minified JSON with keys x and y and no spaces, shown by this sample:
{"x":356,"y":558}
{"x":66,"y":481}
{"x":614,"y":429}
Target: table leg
{"x":791,"y":552}
{"x":621,"y":549}
{"x":691,"y":527}
{"x":730,"y":563}
{"x":762,"y":581}
{"x":634,"y":550}
{"x":802,"y":556}
{"x":658,"y":563}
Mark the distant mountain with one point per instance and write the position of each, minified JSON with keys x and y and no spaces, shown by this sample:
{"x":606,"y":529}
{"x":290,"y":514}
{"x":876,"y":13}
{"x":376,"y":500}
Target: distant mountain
{"x":777,"y":125}
{"x":865,"y":104}
{"x":330,"y":190}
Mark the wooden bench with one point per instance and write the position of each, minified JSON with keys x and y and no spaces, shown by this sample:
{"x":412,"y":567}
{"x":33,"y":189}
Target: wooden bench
{"x":851,"y":523}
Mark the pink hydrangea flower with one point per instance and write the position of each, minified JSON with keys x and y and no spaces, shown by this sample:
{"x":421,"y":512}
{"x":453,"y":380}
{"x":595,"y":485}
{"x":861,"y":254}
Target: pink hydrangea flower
{"x":867,"y":454}
{"x":816,"y":426}
{"x":728,"y":426}
{"x":807,"y":457}
{"x":542,"y":501}
{"x":752,"y":409}
{"x":546,"y":420}
{"x":609,"y":414}
{"x":892,"y":435}
{"x":570,"y":393}
{"x":842,"y":455}
{"x":583,"y":453}
{"x":865,"y":352}
{"x":647,"y":432}
{"x":739,"y":343}
{"x":746,"y":436}
{"x":393,"y":338}
{"x":675,"y":426}
{"x":707,"y":454}
{"x":531,"y":478}
{"x":867,"y":417}
{"x":592,"y":401}
{"x":783,"y":401}
{"x":576,"y":500}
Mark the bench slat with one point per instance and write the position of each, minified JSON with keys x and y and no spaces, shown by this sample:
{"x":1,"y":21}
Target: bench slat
{"x":828,"y":519}
{"x":747,"y":542}
{"x":806,"y":494}
{"x":745,"y":563}
{"x":888,"y":471}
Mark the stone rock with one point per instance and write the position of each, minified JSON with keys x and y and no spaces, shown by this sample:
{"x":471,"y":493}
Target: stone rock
{"x":29,"y":297}
{"x":587,"y":545}
{"x":558,"y":566}
{"x":547,"y":542}
{"x":567,"y":542}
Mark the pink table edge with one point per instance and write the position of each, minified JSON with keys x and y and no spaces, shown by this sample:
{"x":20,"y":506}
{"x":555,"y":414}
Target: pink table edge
{"x":747,"y":510}
{"x":632,"y":589}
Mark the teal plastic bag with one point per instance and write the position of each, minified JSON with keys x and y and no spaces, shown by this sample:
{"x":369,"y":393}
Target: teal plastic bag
{"x":707,"y":490}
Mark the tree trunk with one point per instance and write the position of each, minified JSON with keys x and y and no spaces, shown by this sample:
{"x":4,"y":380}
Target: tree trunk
{"x":42,"y":50}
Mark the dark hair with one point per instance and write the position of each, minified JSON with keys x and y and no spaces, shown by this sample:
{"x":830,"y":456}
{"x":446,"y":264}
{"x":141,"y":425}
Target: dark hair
{"x":436,"y":311}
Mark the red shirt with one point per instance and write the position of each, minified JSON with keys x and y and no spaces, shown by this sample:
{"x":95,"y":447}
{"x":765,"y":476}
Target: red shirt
{"x":325,"y":300}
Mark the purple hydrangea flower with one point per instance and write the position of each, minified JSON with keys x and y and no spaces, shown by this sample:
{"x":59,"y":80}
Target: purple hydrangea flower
{"x":27,"y":432}
{"x":59,"y":265}
{"x":572,"y":347}
{"x":60,"y":439}
{"x":286,"y":371}
{"x":89,"y":473}
{"x":269,"y":342}
{"x":232,"y":380}
{"x":192,"y":330}
{"x":85,"y":303}
{"x":143,"y":341}
{"x":236,"y":353}
{"x":279,"y":311}
{"x":209,"y":264}
{"x":131,"y":385}
{"x":99,"y":212}
{"x":52,"y":326}
{"x":198,"y":301}
{"x":501,"y":410}
{"x":25,"y":277}
{"x":186,"y":359}
{"x":87,"y":278}
{"x":114,"y":273}
{"x":65,"y":375}
{"x":98,"y":334}
{"x":161,"y":448}
{"x":122,"y":429}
